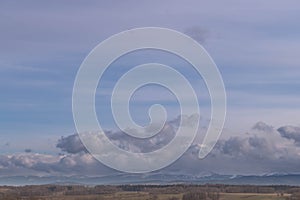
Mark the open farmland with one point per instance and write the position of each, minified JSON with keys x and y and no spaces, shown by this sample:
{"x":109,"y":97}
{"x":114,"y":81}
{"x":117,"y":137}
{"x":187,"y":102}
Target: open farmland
{"x":150,"y":192}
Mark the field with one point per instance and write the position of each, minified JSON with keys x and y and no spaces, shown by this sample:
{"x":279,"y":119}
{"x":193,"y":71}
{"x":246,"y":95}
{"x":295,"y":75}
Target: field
{"x":142,"y":192}
{"x":248,"y":196}
{"x":147,"y":196}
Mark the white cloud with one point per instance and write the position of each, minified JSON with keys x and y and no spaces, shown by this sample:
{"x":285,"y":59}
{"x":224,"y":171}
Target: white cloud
{"x":253,"y":153}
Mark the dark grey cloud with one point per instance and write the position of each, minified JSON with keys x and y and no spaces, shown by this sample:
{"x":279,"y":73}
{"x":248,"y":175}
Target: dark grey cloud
{"x":248,"y":147}
{"x":232,"y":146}
{"x":138,"y":145}
{"x":291,"y":133}
{"x":71,"y":144}
{"x":27,"y":150}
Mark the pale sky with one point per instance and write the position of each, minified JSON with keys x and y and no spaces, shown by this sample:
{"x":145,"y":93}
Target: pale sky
{"x":255,"y":45}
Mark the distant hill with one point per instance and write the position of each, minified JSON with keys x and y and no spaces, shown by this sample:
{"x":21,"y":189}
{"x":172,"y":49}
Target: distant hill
{"x":155,"y":178}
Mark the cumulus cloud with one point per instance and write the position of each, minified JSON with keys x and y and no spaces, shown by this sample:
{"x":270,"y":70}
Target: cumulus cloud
{"x":137,"y":145}
{"x":262,"y":126}
{"x":246,"y":154}
{"x":45,"y":164}
{"x":291,"y":133}
{"x":252,"y":153}
{"x":253,"y":147}
{"x":71,"y":144}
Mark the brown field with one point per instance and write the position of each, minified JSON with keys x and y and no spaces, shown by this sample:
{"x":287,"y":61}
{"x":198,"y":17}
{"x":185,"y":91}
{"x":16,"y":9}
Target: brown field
{"x":172,"y":192}
{"x":253,"y":196}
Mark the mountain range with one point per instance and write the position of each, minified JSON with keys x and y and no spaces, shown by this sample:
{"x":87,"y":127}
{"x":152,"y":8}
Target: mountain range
{"x":155,"y":178}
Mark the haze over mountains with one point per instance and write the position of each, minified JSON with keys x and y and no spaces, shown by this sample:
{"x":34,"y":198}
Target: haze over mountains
{"x":155,"y":178}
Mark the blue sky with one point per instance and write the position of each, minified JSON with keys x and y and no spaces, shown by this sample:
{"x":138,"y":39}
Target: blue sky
{"x":255,"y":45}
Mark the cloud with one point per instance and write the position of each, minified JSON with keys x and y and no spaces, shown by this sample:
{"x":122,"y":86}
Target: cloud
{"x":71,"y":144}
{"x":260,"y":152}
{"x":251,"y":153}
{"x":291,"y":133}
{"x":137,"y":145}
{"x":252,"y":147}
{"x":45,"y":164}
{"x":27,"y":150}
{"x":254,"y":152}
{"x":261,"y":126}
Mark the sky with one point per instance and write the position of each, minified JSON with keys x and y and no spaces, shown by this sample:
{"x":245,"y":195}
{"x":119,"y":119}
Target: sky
{"x":255,"y":45}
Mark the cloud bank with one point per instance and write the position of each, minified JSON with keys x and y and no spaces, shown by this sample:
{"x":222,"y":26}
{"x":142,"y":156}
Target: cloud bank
{"x":262,"y":150}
